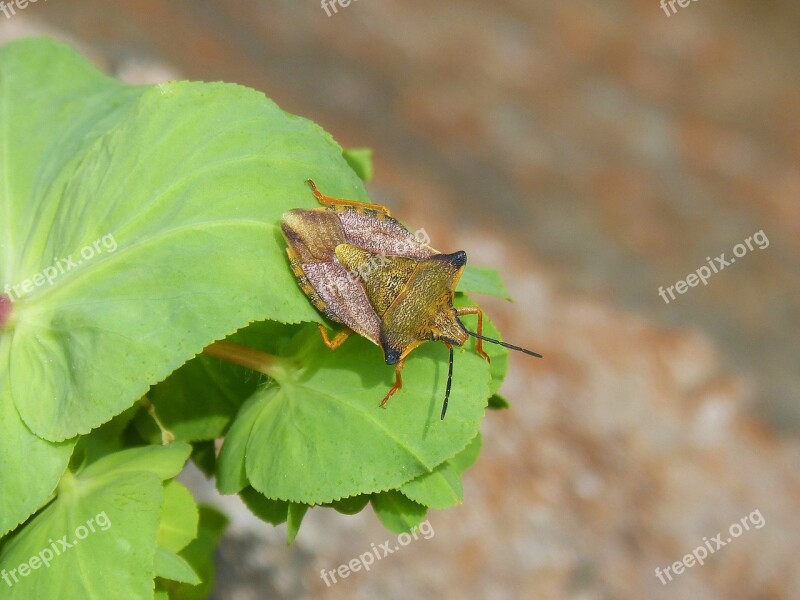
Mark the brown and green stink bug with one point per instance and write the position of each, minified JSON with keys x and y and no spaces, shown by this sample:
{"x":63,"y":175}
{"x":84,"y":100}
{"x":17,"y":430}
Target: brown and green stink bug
{"x":363,"y":269}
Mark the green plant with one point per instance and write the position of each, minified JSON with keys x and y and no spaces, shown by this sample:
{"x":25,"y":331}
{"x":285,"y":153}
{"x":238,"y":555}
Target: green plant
{"x":105,"y":392}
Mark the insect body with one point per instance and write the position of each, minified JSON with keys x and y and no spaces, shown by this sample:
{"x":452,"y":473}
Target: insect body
{"x":363,"y":269}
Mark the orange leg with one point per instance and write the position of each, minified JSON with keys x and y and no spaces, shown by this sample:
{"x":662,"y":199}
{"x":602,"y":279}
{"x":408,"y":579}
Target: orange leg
{"x":398,"y":382}
{"x":323,"y":199}
{"x":474,"y":310}
{"x":337,"y":340}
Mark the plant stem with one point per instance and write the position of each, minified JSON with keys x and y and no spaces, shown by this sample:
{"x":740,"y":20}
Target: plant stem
{"x":247,"y":357}
{"x":166,"y":435}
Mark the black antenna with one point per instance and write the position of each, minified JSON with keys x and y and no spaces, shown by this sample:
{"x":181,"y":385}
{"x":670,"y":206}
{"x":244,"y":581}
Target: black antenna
{"x":449,"y":381}
{"x":510,"y":346}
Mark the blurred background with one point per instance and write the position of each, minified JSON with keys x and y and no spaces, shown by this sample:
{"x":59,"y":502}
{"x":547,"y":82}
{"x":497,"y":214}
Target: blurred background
{"x":592,"y":152}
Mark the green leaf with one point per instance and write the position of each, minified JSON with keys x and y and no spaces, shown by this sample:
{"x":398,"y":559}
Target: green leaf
{"x":205,"y":457}
{"x":442,"y":488}
{"x":179,"y":518}
{"x":293,"y":520}
{"x":360,"y":160}
{"x":271,"y":511}
{"x":467,"y":457}
{"x":200,"y":399}
{"x":173,"y":193}
{"x":498,"y":402}
{"x":169,"y":565}
{"x":300,"y":420}
{"x":200,"y":555}
{"x":350,"y":506}
{"x":231,"y":467}
{"x":30,"y":467}
{"x":105,"y":439}
{"x":275,"y":511}
{"x":164,"y":461}
{"x":482,"y":280}
{"x":396,"y":512}
{"x":105,"y":517}
{"x":498,"y":367}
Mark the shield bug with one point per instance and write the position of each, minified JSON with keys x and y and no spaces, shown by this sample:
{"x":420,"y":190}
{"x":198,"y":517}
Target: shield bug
{"x":363,"y":269}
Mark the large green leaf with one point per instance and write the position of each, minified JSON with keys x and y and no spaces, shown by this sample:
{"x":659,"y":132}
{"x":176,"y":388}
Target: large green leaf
{"x":360,"y":159}
{"x":30,"y":467}
{"x":319,"y":434}
{"x":176,"y":191}
{"x":97,"y":539}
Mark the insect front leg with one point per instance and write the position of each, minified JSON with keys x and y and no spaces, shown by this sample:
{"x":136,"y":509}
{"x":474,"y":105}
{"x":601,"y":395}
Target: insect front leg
{"x":398,"y":381}
{"x":337,"y":340}
{"x":329,"y":201}
{"x":475,"y":310}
